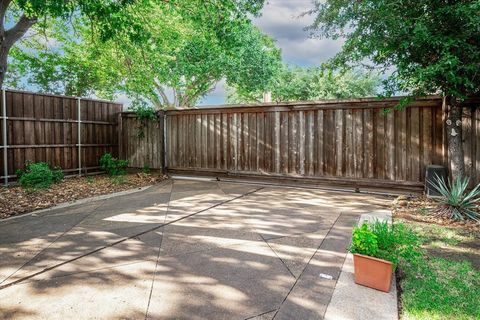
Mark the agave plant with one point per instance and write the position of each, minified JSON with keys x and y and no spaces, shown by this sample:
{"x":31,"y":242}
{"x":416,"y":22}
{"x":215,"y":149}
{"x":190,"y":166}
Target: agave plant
{"x":455,"y":202}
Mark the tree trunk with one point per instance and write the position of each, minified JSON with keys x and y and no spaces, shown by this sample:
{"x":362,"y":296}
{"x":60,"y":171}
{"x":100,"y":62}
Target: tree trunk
{"x":9,"y":37}
{"x":454,"y":138}
{"x":3,"y":62}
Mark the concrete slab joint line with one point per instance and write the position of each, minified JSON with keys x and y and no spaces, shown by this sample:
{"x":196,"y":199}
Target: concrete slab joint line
{"x":51,"y":243}
{"x":158,"y":257}
{"x":310,"y":295}
{"x":185,"y":250}
{"x":123,"y":240}
{"x":352,"y":301}
{"x":279,"y":258}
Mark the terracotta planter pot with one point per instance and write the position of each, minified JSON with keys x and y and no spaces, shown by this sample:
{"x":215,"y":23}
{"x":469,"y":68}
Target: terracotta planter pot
{"x":372,"y":272}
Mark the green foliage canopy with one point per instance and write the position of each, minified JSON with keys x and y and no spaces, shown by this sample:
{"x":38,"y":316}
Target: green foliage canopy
{"x":168,"y":66}
{"x":302,"y":84}
{"x":18,"y":17}
{"x":433,"y":46}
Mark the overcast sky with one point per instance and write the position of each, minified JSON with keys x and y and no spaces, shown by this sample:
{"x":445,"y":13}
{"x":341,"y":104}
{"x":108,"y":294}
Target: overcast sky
{"x":280,"y":20}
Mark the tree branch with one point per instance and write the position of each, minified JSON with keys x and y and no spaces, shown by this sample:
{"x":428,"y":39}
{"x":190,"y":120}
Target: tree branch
{"x":13,"y":34}
{"x":160,"y":91}
{"x":3,"y":11}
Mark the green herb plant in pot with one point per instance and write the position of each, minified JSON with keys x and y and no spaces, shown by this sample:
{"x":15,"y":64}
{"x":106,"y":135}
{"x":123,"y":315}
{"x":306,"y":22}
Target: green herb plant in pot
{"x":377,"y":249}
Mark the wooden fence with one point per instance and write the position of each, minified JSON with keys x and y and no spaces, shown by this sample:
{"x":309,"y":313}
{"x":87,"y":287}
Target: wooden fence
{"x":352,"y":142}
{"x":41,"y":127}
{"x":141,"y":142}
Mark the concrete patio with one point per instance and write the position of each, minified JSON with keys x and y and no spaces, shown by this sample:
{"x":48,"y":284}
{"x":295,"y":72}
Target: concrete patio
{"x":241,"y":252}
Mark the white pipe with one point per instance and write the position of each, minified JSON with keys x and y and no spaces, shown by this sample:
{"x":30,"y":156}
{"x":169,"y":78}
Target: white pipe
{"x":79,"y":132}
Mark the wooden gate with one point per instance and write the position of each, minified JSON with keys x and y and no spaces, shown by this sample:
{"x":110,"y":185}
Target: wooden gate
{"x":350,"y":142}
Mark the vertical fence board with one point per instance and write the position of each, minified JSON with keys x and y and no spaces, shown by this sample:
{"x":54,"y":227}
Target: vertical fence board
{"x":320,"y":143}
{"x":368,"y":143}
{"x":390,"y":145}
{"x":43,"y":128}
{"x":349,"y":162}
{"x":415,"y":145}
{"x":344,"y":140}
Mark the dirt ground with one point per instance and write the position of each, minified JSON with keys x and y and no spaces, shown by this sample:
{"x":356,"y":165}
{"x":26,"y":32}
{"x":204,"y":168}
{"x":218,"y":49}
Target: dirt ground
{"x":444,"y":238}
{"x":16,"y":200}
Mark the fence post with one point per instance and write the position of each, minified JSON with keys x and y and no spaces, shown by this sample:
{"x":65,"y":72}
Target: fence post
{"x":164,"y":148}
{"x":5,"y":140}
{"x":79,"y":133}
{"x":120,"y":135}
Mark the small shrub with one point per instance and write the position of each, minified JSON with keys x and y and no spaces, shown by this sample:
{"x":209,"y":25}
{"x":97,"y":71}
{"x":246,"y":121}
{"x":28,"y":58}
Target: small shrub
{"x":364,"y":241}
{"x":113,"y":166}
{"x":118,"y":180}
{"x":455,"y":202}
{"x":146,"y":169}
{"x":90,"y":179}
{"x":57,"y":175}
{"x":38,"y":175}
{"x":144,"y":112}
{"x":391,"y":242}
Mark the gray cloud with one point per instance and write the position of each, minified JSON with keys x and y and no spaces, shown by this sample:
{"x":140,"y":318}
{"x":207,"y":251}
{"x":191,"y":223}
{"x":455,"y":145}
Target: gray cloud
{"x":217,"y":96}
{"x":282,"y":20}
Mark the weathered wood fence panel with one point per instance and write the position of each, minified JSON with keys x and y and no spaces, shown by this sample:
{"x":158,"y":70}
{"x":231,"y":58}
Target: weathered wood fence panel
{"x":471,"y":141}
{"x":141,"y":142}
{"x":41,"y":127}
{"x":351,"y":141}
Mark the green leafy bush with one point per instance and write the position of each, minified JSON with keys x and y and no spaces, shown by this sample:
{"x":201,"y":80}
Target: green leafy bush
{"x":391,"y":242}
{"x":144,"y":113}
{"x":456,"y":203}
{"x":118,"y":180}
{"x":38,"y":175}
{"x":113,"y":166}
{"x":364,"y":241}
{"x":146,"y":169}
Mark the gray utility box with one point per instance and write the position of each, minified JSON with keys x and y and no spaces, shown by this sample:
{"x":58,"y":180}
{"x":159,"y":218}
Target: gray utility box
{"x":431,"y":175}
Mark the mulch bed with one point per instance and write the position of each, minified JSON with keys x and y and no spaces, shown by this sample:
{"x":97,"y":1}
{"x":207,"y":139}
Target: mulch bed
{"x":421,"y":209}
{"x":16,"y":200}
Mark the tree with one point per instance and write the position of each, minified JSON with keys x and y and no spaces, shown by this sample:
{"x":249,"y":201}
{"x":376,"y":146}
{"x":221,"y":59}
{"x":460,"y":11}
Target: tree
{"x":175,"y":65}
{"x":432,"y":46}
{"x":21,"y":15}
{"x":302,"y":84}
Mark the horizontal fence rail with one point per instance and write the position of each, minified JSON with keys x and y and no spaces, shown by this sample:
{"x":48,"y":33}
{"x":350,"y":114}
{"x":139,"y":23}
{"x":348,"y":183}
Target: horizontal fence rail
{"x":352,"y":141}
{"x":65,"y":132}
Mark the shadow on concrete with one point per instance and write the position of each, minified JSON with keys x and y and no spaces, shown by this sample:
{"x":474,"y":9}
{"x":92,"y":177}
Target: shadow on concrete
{"x":236,"y":260}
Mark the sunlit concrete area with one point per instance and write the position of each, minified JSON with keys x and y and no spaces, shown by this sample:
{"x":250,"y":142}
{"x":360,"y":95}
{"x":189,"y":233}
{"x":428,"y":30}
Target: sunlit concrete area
{"x":183,"y":249}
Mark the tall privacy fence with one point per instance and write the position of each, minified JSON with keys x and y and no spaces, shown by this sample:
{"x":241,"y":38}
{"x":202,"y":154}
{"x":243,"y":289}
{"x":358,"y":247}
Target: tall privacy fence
{"x":352,"y":142}
{"x":142,"y":142}
{"x":67,"y":132}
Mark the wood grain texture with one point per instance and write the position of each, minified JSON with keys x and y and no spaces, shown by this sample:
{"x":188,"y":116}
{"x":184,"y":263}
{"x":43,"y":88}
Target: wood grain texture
{"x":149,"y":150}
{"x":345,"y":140}
{"x":44,"y":128}
{"x":328,"y":141}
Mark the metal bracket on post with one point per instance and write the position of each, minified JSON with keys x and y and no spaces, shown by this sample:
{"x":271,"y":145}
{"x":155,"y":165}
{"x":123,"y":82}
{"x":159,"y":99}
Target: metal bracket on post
{"x":79,"y":133}
{"x":5,"y":140}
